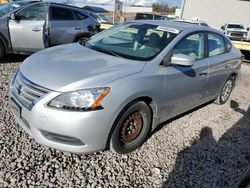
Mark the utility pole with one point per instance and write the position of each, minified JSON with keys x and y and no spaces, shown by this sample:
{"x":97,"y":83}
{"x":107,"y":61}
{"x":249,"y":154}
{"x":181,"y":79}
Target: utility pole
{"x":114,"y":12}
{"x":182,"y":8}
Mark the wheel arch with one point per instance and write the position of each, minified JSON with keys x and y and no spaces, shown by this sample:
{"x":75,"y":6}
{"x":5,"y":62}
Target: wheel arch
{"x":147,"y":100}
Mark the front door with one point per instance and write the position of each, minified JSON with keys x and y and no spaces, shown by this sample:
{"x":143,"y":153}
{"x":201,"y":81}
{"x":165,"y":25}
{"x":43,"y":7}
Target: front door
{"x":27,"y":29}
{"x":185,"y":87}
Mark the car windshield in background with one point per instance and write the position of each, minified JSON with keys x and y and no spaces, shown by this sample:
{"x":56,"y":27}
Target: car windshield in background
{"x":105,"y":18}
{"x":8,"y":7}
{"x":133,"y":40}
{"x":235,"y":26}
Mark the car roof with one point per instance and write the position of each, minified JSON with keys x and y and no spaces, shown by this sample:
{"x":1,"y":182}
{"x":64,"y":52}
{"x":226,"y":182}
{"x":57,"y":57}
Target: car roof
{"x":177,"y":25}
{"x":71,"y":7}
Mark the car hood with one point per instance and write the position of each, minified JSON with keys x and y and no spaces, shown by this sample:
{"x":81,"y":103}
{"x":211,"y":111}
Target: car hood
{"x":72,"y":67}
{"x":238,"y":30}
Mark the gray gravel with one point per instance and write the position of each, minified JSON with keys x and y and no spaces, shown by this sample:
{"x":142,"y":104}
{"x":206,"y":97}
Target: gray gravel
{"x":209,"y":147}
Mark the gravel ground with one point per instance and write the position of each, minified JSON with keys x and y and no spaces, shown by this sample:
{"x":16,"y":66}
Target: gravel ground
{"x":208,"y":147}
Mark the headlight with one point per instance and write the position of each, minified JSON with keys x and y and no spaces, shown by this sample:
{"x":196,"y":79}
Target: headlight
{"x":82,"y":100}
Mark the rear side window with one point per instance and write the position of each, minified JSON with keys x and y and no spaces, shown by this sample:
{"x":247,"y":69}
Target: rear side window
{"x":58,"y":13}
{"x":216,"y":45}
{"x":192,"y":46}
{"x":80,"y":16}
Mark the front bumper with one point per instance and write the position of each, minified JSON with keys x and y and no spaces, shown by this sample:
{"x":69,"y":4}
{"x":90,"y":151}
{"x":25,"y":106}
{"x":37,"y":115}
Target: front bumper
{"x":237,"y":38}
{"x":76,"y":132}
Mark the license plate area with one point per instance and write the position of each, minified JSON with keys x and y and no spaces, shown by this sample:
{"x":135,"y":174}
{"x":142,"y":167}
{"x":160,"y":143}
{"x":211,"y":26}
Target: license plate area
{"x":16,"y":108}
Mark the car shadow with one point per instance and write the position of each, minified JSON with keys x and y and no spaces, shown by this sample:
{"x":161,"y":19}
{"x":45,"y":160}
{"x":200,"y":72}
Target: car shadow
{"x":13,"y":58}
{"x":211,"y":163}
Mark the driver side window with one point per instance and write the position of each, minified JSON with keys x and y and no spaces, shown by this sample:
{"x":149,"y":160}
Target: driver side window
{"x":192,"y":46}
{"x":34,"y":12}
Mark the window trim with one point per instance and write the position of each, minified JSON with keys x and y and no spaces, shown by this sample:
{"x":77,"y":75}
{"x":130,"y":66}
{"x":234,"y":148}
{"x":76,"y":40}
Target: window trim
{"x":193,"y":33}
{"x":223,"y":37}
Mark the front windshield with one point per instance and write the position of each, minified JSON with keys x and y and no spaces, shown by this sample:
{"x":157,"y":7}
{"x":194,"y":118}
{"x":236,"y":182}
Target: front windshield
{"x":8,"y":7}
{"x":235,"y":26}
{"x":135,"y":41}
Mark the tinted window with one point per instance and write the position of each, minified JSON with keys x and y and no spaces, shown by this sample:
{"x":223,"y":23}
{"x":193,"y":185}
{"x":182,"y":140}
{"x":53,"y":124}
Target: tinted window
{"x":33,"y":12}
{"x":216,"y":45}
{"x":80,"y":16}
{"x":158,"y":17}
{"x":193,"y":46}
{"x":58,"y":13}
{"x":235,"y":26}
{"x":140,"y":16}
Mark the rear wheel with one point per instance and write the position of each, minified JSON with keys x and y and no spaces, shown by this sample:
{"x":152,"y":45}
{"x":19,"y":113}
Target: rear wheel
{"x":131,"y":129}
{"x":226,"y":91}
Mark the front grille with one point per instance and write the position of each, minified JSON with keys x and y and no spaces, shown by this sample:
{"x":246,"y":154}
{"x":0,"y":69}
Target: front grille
{"x":237,"y":34}
{"x":26,"y":92}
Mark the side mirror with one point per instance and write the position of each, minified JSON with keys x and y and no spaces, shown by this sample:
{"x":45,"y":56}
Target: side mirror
{"x":182,"y":60}
{"x":248,"y":29}
{"x":222,"y":27}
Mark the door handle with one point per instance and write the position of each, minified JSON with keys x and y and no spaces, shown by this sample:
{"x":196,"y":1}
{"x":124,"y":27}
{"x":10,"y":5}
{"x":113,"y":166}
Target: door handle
{"x":36,"y":29}
{"x":203,"y":73}
{"x":78,"y":28}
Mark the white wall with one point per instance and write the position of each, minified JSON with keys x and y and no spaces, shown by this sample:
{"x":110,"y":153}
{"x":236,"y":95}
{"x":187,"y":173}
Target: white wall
{"x":218,"y":12}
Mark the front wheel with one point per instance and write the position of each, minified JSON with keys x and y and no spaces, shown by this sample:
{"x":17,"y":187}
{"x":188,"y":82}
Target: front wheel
{"x":226,"y":91}
{"x":131,"y":129}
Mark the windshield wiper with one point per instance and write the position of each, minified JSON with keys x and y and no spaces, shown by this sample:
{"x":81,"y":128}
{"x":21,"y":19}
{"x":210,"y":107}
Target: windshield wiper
{"x":110,"y":52}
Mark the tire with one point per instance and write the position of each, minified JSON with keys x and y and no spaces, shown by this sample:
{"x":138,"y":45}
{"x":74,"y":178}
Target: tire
{"x":225,"y":91}
{"x":2,"y":51}
{"x":131,"y":129}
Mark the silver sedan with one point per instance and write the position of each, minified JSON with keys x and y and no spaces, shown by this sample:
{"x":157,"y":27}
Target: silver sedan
{"x":111,"y":91}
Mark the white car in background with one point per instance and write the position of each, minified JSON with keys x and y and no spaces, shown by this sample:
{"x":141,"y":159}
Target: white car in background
{"x":201,"y":23}
{"x":235,"y":31}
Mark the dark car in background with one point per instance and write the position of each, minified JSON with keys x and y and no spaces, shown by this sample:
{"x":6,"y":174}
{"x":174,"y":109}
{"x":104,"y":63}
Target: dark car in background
{"x":149,"y":16}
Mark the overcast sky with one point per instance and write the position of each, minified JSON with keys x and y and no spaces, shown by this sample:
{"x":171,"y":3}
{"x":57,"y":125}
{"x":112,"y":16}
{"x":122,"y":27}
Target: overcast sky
{"x":139,"y":2}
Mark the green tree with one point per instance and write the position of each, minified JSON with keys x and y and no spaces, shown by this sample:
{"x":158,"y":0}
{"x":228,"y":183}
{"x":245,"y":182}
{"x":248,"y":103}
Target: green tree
{"x":163,"y":8}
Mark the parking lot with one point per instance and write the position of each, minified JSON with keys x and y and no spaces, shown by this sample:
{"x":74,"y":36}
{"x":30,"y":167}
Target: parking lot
{"x":208,"y":147}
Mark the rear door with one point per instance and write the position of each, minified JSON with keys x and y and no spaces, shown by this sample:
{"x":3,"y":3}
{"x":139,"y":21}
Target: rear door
{"x":27,"y":30}
{"x":220,"y":62}
{"x":64,"y":25}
